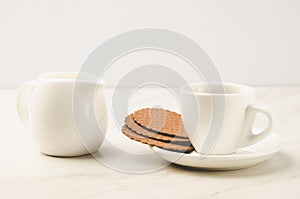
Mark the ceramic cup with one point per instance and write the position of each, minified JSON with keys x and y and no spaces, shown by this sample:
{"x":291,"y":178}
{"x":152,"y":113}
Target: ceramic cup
{"x":46,"y":106}
{"x":219,"y":118}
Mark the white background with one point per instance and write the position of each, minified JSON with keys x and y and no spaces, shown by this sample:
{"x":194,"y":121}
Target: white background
{"x":255,"y":42}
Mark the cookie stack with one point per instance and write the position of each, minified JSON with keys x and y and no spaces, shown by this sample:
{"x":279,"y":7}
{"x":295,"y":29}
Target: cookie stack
{"x":158,"y":127}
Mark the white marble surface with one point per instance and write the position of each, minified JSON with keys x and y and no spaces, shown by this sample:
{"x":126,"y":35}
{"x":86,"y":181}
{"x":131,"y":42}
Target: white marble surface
{"x":25,"y":173}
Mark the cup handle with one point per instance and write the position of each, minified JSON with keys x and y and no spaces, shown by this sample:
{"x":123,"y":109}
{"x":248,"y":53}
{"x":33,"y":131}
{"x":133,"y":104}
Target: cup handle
{"x":251,"y":138}
{"x":23,"y":107}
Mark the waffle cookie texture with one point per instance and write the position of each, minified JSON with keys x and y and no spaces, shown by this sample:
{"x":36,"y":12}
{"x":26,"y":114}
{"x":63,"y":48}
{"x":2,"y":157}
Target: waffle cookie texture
{"x":158,"y":127}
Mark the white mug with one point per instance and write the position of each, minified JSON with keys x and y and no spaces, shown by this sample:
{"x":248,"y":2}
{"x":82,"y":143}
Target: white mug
{"x":219,"y":118}
{"x":62,"y":128}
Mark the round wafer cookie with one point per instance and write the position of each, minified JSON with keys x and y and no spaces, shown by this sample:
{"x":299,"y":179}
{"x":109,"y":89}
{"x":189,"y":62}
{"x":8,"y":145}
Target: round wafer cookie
{"x":165,"y":121}
{"x":154,"y":134}
{"x":167,"y":146}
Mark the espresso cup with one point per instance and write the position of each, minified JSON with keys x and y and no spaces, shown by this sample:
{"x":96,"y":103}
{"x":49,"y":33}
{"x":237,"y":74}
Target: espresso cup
{"x":65,"y":111}
{"x":219,"y":117}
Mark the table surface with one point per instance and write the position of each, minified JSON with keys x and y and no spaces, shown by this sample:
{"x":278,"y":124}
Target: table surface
{"x":26,"y":173}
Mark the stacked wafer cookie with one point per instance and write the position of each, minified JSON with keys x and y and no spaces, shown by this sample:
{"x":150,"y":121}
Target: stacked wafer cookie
{"x":158,"y":127}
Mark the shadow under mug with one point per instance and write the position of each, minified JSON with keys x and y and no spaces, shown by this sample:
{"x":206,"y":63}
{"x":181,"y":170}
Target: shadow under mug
{"x":219,"y":117}
{"x":61,"y":126}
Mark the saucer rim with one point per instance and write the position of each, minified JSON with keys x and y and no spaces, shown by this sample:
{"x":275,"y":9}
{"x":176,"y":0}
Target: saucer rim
{"x":233,"y":156}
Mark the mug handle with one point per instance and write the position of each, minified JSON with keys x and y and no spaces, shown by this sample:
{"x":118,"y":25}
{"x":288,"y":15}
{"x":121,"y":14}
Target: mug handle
{"x":251,"y":138}
{"x":23,"y":107}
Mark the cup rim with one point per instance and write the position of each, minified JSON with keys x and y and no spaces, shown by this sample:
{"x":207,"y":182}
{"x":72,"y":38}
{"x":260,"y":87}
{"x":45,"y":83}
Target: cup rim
{"x":245,"y":89}
{"x":90,"y":78}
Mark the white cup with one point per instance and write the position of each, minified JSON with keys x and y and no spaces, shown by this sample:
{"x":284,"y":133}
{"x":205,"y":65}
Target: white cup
{"x":62,"y":128}
{"x":219,"y":118}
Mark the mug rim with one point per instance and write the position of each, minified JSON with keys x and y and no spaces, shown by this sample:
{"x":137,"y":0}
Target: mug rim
{"x":245,"y":89}
{"x":89,"y":77}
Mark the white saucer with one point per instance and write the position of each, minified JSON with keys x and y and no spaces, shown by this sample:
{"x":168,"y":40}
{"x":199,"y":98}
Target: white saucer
{"x":242,"y":158}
